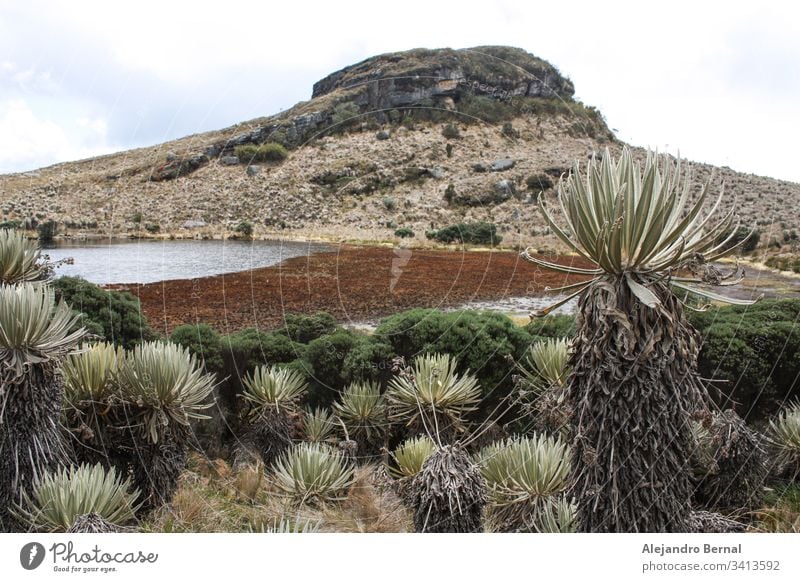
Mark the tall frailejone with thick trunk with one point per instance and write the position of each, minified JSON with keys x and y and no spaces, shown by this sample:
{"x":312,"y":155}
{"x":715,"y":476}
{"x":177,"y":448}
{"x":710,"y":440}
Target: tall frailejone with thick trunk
{"x":35,"y":334}
{"x":633,"y":388}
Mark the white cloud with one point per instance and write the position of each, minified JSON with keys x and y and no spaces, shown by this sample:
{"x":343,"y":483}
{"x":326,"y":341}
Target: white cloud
{"x":31,"y":141}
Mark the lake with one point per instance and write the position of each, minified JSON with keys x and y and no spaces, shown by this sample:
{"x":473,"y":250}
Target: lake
{"x":147,"y":261}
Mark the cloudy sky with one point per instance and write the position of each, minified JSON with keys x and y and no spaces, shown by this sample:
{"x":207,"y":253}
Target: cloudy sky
{"x":718,"y":81}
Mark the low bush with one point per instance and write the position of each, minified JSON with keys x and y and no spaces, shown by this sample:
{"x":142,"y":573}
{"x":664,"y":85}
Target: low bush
{"x":539,"y":182}
{"x":481,"y":341}
{"x":112,"y":315}
{"x":265,"y":152}
{"x":334,"y":360}
{"x":203,"y":342}
{"x":306,"y":328}
{"x":404,"y":232}
{"x":477,"y":233}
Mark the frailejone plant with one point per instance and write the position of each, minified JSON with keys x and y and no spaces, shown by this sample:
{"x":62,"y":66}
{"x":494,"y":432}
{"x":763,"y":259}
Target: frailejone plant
{"x":162,"y":388}
{"x":524,"y":469}
{"x":634,"y":385}
{"x":542,"y":382}
{"x":313,"y":472}
{"x":548,"y":363}
{"x":272,"y":387}
{"x":434,"y":398}
{"x":273,"y":395}
{"x":20,"y":259}
{"x":318,"y":425}
{"x":521,"y":474}
{"x":90,"y":402}
{"x":784,"y":432}
{"x":166,"y":384}
{"x":362,"y":408}
{"x":410,"y":455}
{"x":61,"y":497}
{"x":556,"y":516}
{"x":90,"y":372}
{"x":35,"y":335}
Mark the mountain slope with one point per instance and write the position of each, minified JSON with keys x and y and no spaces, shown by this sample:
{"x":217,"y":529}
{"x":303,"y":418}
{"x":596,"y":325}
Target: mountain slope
{"x":367,"y":154}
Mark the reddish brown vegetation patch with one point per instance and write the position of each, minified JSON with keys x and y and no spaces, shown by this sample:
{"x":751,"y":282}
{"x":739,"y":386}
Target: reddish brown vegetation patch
{"x":352,"y":284}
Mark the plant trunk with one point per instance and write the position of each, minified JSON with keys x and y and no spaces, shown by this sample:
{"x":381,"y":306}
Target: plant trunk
{"x":633,"y":391}
{"x":448,"y":493}
{"x":30,"y":435}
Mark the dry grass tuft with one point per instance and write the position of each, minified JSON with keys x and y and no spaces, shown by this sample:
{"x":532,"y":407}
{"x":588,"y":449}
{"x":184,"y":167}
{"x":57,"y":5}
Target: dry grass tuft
{"x":213,"y":498}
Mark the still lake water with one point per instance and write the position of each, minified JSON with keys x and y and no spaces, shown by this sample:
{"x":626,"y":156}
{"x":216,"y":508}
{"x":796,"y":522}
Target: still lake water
{"x":147,"y":261}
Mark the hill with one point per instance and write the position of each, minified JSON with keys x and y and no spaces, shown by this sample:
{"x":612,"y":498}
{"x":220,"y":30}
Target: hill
{"x":417,"y":140}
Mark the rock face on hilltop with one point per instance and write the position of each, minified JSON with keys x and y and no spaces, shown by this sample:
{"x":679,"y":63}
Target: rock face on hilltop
{"x":441,"y":77}
{"x":421,"y":83}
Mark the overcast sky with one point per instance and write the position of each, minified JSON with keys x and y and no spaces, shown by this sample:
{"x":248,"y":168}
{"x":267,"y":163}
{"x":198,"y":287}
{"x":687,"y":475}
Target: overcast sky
{"x":718,"y":81}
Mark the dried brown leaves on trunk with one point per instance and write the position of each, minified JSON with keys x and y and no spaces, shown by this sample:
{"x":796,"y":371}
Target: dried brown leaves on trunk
{"x":633,"y":391}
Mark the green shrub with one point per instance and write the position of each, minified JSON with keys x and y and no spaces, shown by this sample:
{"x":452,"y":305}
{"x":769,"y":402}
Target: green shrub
{"x":784,"y":263}
{"x":114,"y":316}
{"x":389,"y":203}
{"x":246,"y":349}
{"x":203,"y":342}
{"x":481,"y":341}
{"x":244,"y":229}
{"x":10,"y":224}
{"x":742,"y":233}
{"x":754,"y":351}
{"x":477,"y":233}
{"x":265,"y":152}
{"x":332,"y":361}
{"x":306,"y":328}
{"x":450,"y":131}
{"x":47,"y":231}
{"x":552,"y":326}
{"x":404,"y":232}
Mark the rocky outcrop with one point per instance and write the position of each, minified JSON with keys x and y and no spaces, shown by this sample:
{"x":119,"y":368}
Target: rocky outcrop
{"x":380,"y":88}
{"x":176,"y":166}
{"x":416,"y":76}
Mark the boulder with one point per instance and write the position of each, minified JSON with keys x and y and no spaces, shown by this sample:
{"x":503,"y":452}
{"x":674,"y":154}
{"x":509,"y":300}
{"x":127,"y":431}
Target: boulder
{"x":229,"y":161}
{"x":502,"y":165}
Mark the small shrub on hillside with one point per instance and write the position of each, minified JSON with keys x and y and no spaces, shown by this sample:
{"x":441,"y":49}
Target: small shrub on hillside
{"x":404,"y":232}
{"x":266,"y":152}
{"x":477,"y":233}
{"x":450,"y":131}
{"x":537,"y":182}
{"x":741,"y":234}
{"x":244,"y":229}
